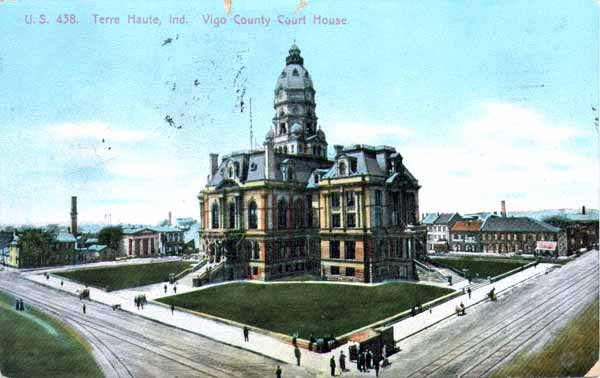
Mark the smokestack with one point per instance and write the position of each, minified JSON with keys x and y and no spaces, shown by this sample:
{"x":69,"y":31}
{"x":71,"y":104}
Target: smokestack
{"x":214,"y":163}
{"x":503,"y":206}
{"x":170,"y":224}
{"x":74,"y":215}
{"x":583,"y":210}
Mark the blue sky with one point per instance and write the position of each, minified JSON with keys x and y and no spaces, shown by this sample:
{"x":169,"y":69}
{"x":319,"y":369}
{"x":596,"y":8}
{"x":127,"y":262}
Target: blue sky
{"x":486,"y":100}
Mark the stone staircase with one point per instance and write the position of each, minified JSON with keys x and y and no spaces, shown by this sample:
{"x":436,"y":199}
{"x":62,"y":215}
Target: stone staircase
{"x":201,"y":272}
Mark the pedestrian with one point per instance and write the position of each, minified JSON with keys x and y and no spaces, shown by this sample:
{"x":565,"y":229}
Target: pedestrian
{"x":22,"y":306}
{"x":165,"y":288}
{"x":462,"y":308}
{"x":342,"y":361}
{"x":175,"y":289}
{"x":246,"y":333}
{"x":47,"y":276}
{"x":369,"y":359}
{"x":295,"y":339}
{"x":376,"y":366}
{"x":361,"y":361}
{"x":61,"y":283}
{"x":172,"y":309}
{"x":297,"y":354}
{"x":278,"y":372}
{"x":18,"y":305}
{"x":137,"y":301}
{"x":469,"y":292}
{"x":84,"y":309}
{"x":332,"y":365}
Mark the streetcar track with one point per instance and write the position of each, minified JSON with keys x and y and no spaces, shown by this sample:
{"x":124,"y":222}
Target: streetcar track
{"x":53,"y":309}
{"x":435,"y":365}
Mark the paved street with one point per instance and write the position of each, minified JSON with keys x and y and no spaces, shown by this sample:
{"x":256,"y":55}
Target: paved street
{"x":131,"y":346}
{"x":523,"y":318}
{"x":433,"y":344}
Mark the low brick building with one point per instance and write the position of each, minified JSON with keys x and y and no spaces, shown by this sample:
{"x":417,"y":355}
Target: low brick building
{"x":465,"y":236}
{"x":500,"y":234}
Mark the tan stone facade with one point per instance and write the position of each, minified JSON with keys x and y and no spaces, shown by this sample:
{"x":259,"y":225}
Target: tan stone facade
{"x":289,"y":210}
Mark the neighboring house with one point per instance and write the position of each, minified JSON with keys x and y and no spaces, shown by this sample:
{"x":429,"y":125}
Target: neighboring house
{"x":438,"y":232}
{"x":95,"y":252}
{"x":522,"y":235}
{"x":59,"y":250}
{"x":289,"y":210}
{"x":171,"y":240}
{"x":581,"y":229}
{"x":428,"y":222}
{"x":139,"y":242}
{"x":465,"y":236}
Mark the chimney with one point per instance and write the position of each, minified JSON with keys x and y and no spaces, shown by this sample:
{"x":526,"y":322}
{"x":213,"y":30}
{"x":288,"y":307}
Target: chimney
{"x":214,"y":163}
{"x":583,"y":210}
{"x":269,"y":159}
{"x":170,"y":224}
{"x":338,"y":149}
{"x":503,"y":206}
{"x":74,"y":215}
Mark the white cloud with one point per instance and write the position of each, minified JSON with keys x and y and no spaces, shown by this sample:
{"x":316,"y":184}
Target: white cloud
{"x":505,"y":151}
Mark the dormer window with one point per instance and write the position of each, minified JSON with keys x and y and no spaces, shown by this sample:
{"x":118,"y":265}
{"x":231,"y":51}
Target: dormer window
{"x":353,"y":167}
{"x":295,"y":72}
{"x":342,"y":169}
{"x":317,"y":178}
{"x":253,"y":167}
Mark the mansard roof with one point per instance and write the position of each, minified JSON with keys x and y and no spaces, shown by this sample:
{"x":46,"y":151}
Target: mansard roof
{"x":252,"y":167}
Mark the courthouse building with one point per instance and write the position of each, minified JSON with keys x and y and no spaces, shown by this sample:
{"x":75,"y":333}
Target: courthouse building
{"x":287,"y":209}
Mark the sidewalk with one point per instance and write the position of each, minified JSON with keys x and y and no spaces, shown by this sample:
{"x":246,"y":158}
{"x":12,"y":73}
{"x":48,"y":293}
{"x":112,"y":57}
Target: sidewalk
{"x":263,"y":344}
{"x":410,"y":326}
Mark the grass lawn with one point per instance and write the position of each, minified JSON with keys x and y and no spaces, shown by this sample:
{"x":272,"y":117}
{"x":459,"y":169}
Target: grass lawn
{"x":572,"y":352}
{"x":126,"y":276}
{"x":318,"y":309}
{"x":484,"y":267}
{"x":33,"y":344}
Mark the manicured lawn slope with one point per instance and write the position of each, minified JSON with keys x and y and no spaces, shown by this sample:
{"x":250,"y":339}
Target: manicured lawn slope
{"x":484,"y":267}
{"x":126,"y":276}
{"x":572,"y":352}
{"x":318,"y":309}
{"x":33,"y":344}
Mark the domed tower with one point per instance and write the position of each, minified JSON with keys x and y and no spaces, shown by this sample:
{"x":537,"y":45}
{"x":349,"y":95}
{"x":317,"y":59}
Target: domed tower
{"x":295,"y":121}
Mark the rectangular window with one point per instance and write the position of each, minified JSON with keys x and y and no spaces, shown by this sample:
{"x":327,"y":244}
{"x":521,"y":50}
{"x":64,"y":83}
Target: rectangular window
{"x":378,"y":198}
{"x":334,"y":249}
{"x":254,"y":270}
{"x":349,"y":250}
{"x":335,"y":270}
{"x":350,"y":272}
{"x":351,"y":220}
{"x":335,"y":200}
{"x":350,"y":199}
{"x":335,"y":220}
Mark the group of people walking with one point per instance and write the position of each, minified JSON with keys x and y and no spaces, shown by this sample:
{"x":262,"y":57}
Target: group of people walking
{"x":140,"y":301}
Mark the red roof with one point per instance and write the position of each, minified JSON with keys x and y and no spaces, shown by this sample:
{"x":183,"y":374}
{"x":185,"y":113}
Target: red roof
{"x":467,"y":226}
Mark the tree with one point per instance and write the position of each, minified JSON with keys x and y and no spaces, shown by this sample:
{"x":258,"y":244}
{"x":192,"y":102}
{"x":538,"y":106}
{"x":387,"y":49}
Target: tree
{"x":111,"y":236}
{"x":35,"y":247}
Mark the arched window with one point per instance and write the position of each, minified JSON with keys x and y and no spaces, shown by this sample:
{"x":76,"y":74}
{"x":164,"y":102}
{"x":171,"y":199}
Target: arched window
{"x":252,"y":217}
{"x":282,"y":209}
{"x":232,"y":215}
{"x":215,"y":215}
